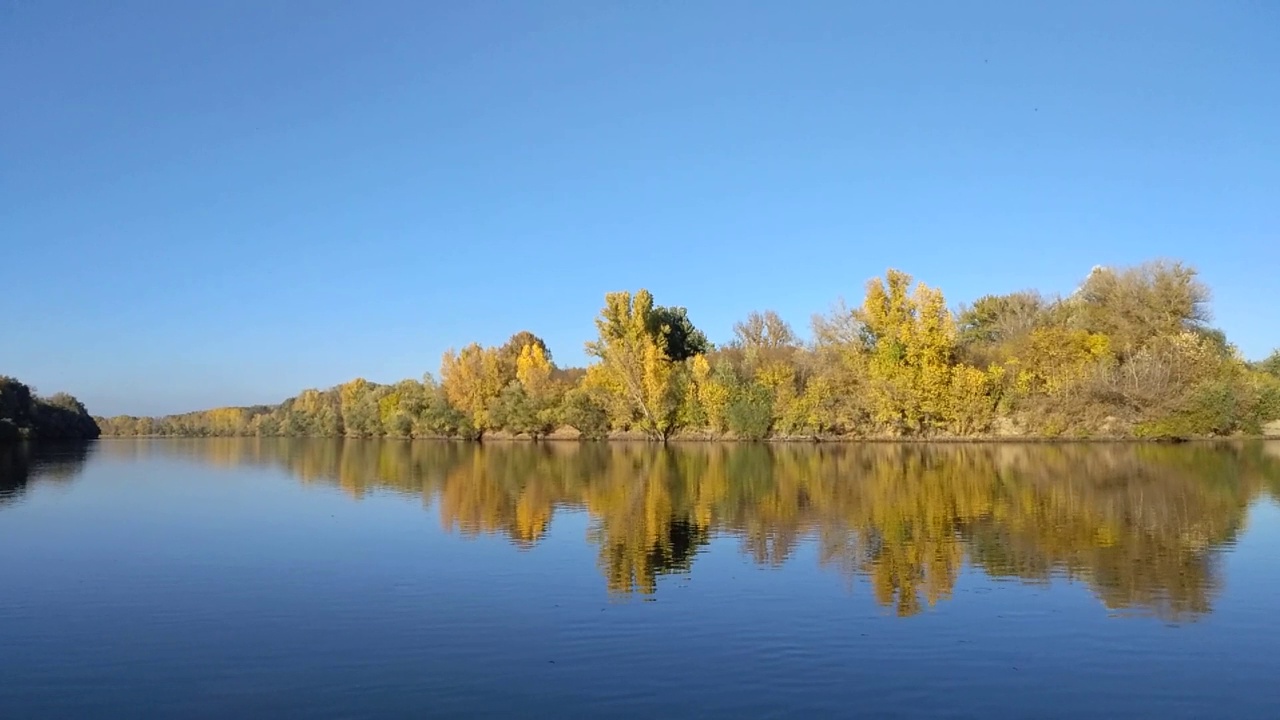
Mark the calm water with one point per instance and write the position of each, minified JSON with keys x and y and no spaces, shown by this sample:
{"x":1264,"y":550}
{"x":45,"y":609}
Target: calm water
{"x":308,"y":578}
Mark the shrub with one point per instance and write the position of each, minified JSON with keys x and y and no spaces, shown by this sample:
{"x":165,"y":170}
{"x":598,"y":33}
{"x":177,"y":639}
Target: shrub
{"x":750,"y":413}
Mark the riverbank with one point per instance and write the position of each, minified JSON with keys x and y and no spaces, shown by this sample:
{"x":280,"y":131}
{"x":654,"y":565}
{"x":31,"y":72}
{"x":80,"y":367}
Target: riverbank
{"x":1271,"y":431}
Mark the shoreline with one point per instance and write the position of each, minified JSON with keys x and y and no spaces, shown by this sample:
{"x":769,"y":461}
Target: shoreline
{"x":686,"y":440}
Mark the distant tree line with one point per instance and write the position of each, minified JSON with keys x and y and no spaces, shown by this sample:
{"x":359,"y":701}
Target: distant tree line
{"x":1130,"y":353}
{"x":24,"y":415}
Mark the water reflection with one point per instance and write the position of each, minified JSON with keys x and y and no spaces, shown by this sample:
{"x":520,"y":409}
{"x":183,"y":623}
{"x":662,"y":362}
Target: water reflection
{"x":1142,"y":525}
{"x":24,"y":464}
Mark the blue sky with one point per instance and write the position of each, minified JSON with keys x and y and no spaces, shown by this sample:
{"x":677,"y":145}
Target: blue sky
{"x":223,"y":203}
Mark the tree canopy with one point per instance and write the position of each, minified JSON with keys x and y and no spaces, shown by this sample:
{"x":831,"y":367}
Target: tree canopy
{"x":24,"y":415}
{"x":1130,"y":353}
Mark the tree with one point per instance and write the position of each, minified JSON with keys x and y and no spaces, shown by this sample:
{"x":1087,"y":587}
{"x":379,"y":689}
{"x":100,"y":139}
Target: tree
{"x":1055,"y":360}
{"x":316,"y":413}
{"x":1271,"y":366}
{"x":634,"y":365}
{"x":713,"y":388}
{"x":515,"y":411}
{"x":471,"y":380}
{"x":535,"y":377}
{"x":584,"y":410}
{"x":836,"y":398}
{"x":1131,"y":306}
{"x":439,"y":418}
{"x":765,"y":331}
{"x":25,"y":415}
{"x":750,"y":412}
{"x":768,"y":347}
{"x":986,"y":328}
{"x":533,"y":373}
{"x":400,"y":407}
{"x":911,"y":338}
{"x":972,"y":401}
{"x":681,"y":340}
{"x":359,"y":402}
{"x":509,"y":353}
{"x":16,"y":402}
{"x":1131,"y":352}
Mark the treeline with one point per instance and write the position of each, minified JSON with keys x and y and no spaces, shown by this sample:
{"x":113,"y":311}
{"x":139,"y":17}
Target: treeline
{"x":1130,"y":353}
{"x":1141,"y":525}
{"x":24,"y":415}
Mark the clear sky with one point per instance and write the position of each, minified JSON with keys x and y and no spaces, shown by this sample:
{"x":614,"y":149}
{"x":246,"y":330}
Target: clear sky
{"x":224,"y":202}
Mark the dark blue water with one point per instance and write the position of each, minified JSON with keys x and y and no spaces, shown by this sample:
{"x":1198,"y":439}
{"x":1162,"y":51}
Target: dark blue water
{"x":322,"y":579}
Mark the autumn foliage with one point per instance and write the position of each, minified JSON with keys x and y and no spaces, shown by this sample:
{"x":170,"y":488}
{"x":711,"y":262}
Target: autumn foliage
{"x":1130,"y":353}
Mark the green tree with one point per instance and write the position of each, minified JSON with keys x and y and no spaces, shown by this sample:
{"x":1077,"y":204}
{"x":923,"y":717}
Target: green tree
{"x":583,"y":410}
{"x":680,"y":339}
{"x":23,"y":414}
{"x":514,"y":410}
{"x":1271,"y":366}
{"x":750,"y":412}
{"x":359,"y":403}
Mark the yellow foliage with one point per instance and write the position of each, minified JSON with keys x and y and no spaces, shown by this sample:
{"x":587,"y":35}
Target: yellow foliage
{"x":775,"y":375}
{"x":807,"y":412}
{"x":471,"y":379}
{"x":634,"y":361}
{"x":352,"y":390}
{"x":533,"y":371}
{"x":910,"y":362}
{"x":1056,"y":359}
{"x":711,"y":394}
{"x":971,"y":408}
{"x":1129,"y":352}
{"x":388,"y":406}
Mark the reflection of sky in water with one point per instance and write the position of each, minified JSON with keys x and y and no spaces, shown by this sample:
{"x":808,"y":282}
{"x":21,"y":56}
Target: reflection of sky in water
{"x":205,"y":578}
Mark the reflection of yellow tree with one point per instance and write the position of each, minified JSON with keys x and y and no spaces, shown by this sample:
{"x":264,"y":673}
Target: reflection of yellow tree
{"x":505,"y":493}
{"x":1140,"y":524}
{"x":895,"y":516}
{"x":644,"y":520}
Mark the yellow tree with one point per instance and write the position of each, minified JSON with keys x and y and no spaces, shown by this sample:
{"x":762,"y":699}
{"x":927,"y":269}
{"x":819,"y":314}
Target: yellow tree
{"x":711,"y":392}
{"x":471,"y":379}
{"x":509,"y":352}
{"x":226,"y":421}
{"x":781,"y":380}
{"x":911,"y":337}
{"x":533,"y":371}
{"x":1054,"y":360}
{"x":541,"y":391}
{"x":972,"y":404}
{"x":315,"y":413}
{"x":633,"y":361}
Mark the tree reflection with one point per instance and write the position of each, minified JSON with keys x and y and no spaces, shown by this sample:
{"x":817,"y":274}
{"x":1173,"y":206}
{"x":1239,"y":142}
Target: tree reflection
{"x":1142,"y":525}
{"x":23,"y":464}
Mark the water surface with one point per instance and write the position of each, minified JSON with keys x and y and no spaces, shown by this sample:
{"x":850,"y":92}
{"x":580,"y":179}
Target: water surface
{"x":313,"y":578}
